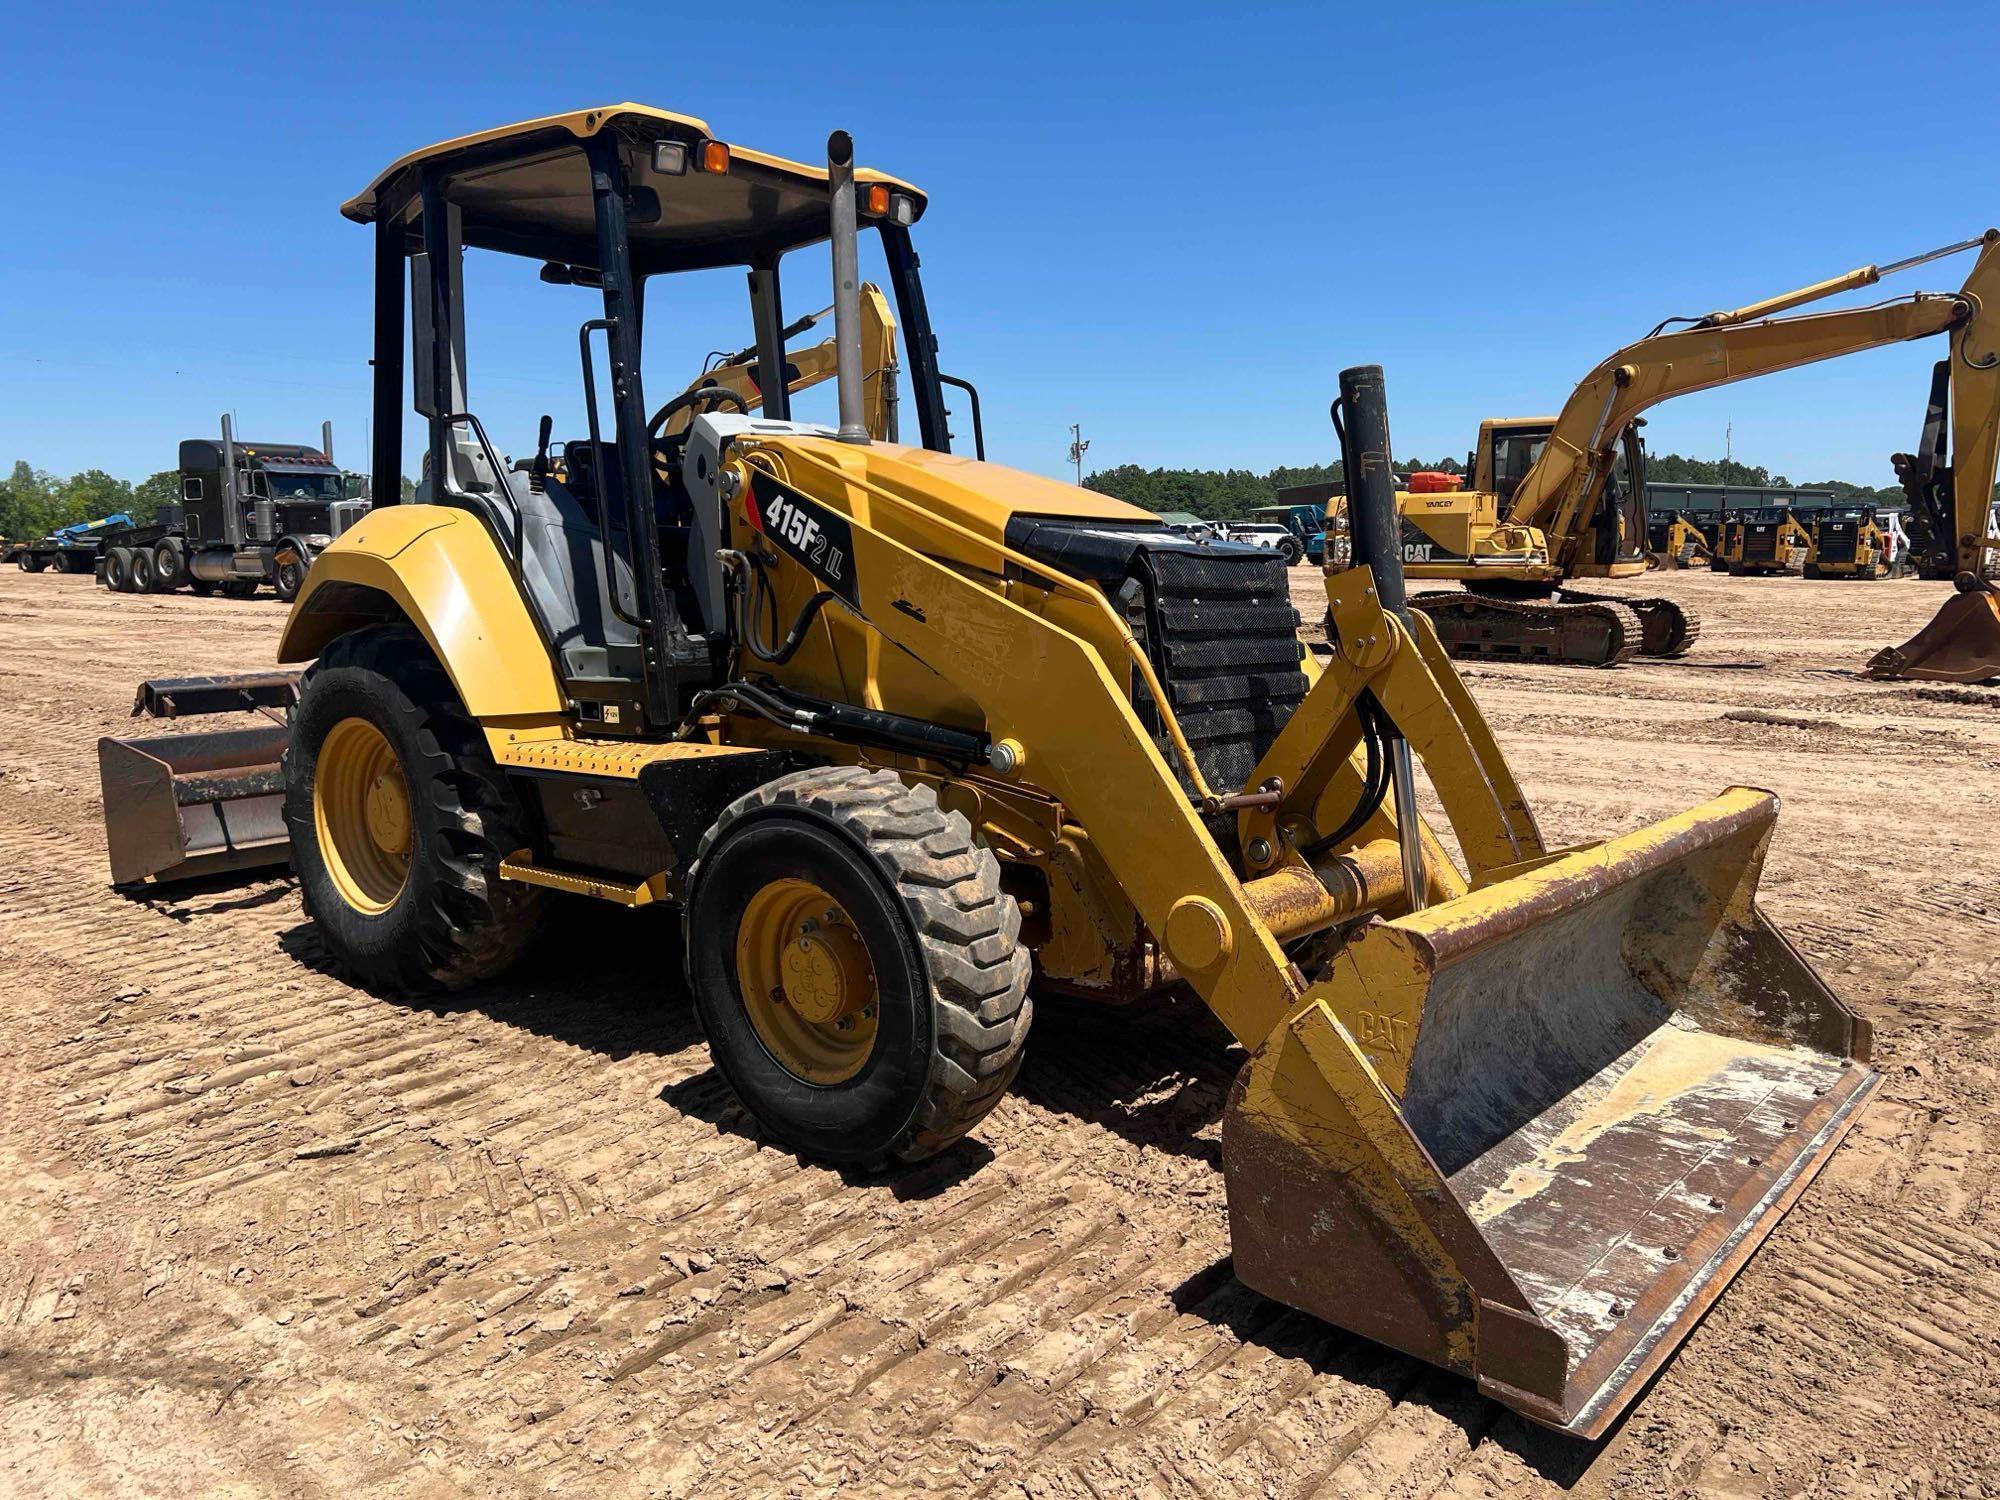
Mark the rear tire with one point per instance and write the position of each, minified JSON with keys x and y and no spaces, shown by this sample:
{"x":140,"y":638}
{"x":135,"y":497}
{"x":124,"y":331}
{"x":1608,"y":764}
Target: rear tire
{"x":944,"y":965}
{"x":31,"y":564}
{"x":433,"y":913}
{"x":144,"y":579}
{"x":118,"y":570}
{"x":169,"y":566}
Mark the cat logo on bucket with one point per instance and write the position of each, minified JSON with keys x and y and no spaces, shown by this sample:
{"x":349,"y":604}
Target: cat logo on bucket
{"x":818,"y":539}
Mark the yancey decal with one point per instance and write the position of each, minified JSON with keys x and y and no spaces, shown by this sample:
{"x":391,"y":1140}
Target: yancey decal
{"x":819,"y":540}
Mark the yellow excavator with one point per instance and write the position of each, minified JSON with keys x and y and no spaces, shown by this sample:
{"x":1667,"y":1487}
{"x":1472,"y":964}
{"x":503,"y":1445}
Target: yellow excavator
{"x":1953,"y":521}
{"x":1562,"y":497}
{"x":902,"y":732}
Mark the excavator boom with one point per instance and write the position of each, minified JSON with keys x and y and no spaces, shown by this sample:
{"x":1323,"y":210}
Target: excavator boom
{"x":1561,"y":491}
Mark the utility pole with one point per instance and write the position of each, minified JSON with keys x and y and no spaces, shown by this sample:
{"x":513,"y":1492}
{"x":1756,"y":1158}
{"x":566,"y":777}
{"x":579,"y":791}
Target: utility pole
{"x":1078,"y":446}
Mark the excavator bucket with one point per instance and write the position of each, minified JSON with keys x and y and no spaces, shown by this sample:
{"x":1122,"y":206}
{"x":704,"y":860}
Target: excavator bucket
{"x":1530,"y":1133}
{"x":1960,"y":644}
{"x":178,"y":806}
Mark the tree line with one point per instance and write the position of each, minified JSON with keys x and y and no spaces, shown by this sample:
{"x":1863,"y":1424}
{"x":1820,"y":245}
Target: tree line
{"x":34,"y":502}
{"x":1230,"y":494}
{"x":1223,"y":494}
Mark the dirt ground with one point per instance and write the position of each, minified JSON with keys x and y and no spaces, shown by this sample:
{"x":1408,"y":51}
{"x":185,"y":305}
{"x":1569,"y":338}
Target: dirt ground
{"x":263,"y":1233}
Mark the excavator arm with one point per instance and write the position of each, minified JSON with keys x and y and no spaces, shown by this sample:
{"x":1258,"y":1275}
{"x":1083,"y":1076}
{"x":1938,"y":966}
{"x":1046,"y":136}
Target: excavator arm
{"x":1560,"y":493}
{"x":814,"y":365}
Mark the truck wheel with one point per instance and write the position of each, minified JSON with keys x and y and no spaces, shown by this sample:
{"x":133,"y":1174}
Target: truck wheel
{"x":169,"y":566}
{"x":856,"y":965}
{"x":31,"y":563}
{"x":118,"y":570}
{"x":144,"y":579}
{"x":202,"y":587}
{"x":288,"y":573}
{"x":399,"y":820}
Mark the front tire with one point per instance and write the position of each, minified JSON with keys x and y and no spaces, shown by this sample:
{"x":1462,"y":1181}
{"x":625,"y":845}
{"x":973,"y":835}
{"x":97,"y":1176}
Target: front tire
{"x":856,"y":965}
{"x":399,"y":820}
{"x":288,"y":573}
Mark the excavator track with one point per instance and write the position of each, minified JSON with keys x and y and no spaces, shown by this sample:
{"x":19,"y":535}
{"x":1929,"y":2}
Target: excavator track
{"x":1670,"y":628}
{"x":1596,"y":633}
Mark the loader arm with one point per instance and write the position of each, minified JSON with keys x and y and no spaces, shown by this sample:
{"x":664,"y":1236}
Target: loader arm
{"x":1449,"y":1136}
{"x":1560,"y":492}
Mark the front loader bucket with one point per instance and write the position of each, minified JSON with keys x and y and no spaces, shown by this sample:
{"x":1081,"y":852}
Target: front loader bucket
{"x":1530,"y":1133}
{"x":181,"y":805}
{"x":1960,"y":644}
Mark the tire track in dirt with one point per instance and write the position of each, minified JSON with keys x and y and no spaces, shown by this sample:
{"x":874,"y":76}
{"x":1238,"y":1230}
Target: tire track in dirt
{"x":527,"y":1237}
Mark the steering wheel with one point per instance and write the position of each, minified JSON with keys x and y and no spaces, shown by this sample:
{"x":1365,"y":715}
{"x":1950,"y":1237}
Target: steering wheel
{"x":700,"y":394}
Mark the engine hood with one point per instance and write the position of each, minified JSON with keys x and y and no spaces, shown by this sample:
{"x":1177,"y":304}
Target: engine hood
{"x":981,"y":497}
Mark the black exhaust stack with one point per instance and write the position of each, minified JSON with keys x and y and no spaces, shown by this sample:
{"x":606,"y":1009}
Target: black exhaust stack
{"x":1374,"y":530}
{"x":1375,"y":540}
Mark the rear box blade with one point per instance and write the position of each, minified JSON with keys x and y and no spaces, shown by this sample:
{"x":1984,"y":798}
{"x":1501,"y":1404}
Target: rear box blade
{"x":178,"y":806}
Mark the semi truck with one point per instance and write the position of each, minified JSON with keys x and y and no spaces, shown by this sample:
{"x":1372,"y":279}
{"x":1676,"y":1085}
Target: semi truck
{"x":250,"y":514}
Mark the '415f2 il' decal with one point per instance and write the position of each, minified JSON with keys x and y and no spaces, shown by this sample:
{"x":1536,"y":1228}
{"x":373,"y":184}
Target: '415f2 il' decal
{"x":819,"y":540}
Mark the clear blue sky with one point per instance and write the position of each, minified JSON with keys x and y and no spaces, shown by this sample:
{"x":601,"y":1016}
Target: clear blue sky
{"x":1172,"y":224}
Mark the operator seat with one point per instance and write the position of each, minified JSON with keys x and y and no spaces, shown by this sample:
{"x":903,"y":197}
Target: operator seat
{"x":565,"y":565}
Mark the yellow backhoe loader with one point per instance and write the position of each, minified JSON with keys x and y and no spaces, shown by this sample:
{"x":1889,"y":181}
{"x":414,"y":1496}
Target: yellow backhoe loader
{"x":900,"y":730}
{"x":1563,"y":497}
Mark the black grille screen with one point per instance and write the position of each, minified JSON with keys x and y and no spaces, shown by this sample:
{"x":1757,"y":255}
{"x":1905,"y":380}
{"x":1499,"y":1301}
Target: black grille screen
{"x":1217,"y":621}
{"x":1227,"y":650}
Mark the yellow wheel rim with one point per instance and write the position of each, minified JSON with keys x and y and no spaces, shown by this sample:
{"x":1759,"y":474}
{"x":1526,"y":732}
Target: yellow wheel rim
{"x":361,"y":810}
{"x":807,"y":981}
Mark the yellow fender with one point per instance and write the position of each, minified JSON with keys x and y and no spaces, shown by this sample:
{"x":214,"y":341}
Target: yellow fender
{"x":440,"y":570}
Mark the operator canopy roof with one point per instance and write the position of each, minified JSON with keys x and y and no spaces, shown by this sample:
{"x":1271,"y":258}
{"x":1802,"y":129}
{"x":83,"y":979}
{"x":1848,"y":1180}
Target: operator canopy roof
{"x":525,"y":189}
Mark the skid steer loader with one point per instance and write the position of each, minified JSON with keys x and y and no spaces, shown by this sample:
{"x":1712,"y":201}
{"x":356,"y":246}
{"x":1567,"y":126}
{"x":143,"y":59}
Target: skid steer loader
{"x":899,"y":729}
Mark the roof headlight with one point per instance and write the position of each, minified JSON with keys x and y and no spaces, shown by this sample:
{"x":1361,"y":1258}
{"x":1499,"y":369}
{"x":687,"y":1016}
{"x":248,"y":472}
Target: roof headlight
{"x":670,"y":158}
{"x":902,"y":209}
